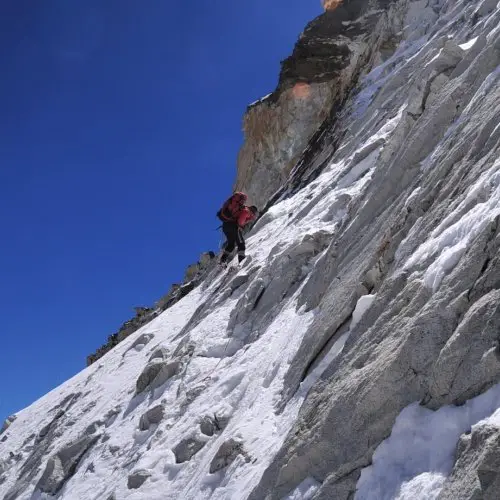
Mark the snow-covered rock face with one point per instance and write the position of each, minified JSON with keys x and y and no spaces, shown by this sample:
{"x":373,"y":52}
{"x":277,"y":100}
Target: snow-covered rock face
{"x":358,"y":345}
{"x":423,"y":235}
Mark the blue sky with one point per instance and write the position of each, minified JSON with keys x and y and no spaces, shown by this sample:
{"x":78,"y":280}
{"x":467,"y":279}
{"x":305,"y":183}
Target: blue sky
{"x":120,"y":123}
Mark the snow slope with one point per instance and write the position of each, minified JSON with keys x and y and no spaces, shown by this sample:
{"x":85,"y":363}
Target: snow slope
{"x":238,"y":379}
{"x":370,"y":290}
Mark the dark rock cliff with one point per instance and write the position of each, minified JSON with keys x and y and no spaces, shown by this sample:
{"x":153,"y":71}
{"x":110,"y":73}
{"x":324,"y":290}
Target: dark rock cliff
{"x":330,"y":55}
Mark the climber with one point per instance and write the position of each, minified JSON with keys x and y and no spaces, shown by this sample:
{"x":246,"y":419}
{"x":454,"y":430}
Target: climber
{"x":234,"y":215}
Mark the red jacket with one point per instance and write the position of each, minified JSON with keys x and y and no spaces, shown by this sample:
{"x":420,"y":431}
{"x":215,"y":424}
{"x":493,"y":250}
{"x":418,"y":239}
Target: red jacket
{"x":246,"y":216}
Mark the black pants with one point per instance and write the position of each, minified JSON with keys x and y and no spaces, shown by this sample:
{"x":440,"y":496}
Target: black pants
{"x":234,"y":238}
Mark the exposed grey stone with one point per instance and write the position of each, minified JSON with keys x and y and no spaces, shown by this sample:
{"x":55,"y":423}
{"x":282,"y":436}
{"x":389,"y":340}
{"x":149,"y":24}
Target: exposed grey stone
{"x":31,"y":437}
{"x":45,"y":430}
{"x":210,"y":425}
{"x":227,"y":454}
{"x":221,"y":421}
{"x":37,"y":453}
{"x":111,"y":415}
{"x":15,"y":457}
{"x":185,"y":350}
{"x":264,"y":298}
{"x":93,"y":427}
{"x":160,"y":353}
{"x":67,"y":402}
{"x":238,"y":281}
{"x":207,"y":426}
{"x":156,"y":373}
{"x":137,"y":479}
{"x":186,"y":449}
{"x":476,"y":474}
{"x":140,"y":342}
{"x":425,"y":338}
{"x":365,"y":151}
{"x":88,"y":406}
{"x":192,"y":394}
{"x":196,"y":271}
{"x":469,"y":359}
{"x":151,"y":417}
{"x":185,"y":289}
{"x":338,"y":488}
{"x":61,"y":466}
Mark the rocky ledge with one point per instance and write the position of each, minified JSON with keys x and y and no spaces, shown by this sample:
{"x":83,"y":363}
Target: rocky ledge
{"x":195,"y":273}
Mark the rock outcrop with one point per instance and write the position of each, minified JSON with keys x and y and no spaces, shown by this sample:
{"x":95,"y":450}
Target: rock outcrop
{"x":137,"y":479}
{"x":152,"y":417}
{"x":315,"y":81}
{"x":159,"y":353}
{"x":156,"y":373}
{"x":143,"y":316}
{"x":63,"y":465}
{"x":477,"y":469}
{"x":211,"y":425}
{"x":187,"y":449}
{"x":431,"y":334}
{"x":195,"y":273}
{"x":227,"y":454}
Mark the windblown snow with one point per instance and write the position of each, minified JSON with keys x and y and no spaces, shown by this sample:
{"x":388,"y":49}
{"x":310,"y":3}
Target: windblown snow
{"x":191,"y":406}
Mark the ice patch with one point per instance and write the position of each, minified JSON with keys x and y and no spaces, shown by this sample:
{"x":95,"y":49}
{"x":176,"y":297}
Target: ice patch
{"x":363,"y":304}
{"x":468,"y":45}
{"x":426,"y":486}
{"x":412,"y":196}
{"x":435,"y":57}
{"x":305,"y":490}
{"x":415,"y":460}
{"x":315,"y":375}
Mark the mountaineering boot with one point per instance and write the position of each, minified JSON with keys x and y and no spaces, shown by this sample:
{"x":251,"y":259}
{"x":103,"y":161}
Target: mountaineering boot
{"x":241,"y":256}
{"x":247,"y":261}
{"x":224,"y":258}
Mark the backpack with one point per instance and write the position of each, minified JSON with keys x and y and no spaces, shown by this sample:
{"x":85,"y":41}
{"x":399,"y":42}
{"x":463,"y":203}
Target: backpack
{"x":232,"y":207}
